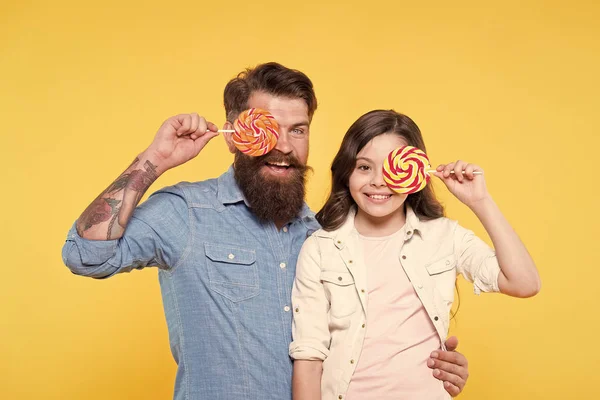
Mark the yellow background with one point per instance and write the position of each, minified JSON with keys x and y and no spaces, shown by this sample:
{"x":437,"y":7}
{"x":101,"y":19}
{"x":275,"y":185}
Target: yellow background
{"x":512,"y":86}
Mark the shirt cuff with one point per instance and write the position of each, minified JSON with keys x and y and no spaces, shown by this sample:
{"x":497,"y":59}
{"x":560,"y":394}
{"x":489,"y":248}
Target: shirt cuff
{"x":91,"y":252}
{"x":487,"y":277}
{"x":306,"y":352}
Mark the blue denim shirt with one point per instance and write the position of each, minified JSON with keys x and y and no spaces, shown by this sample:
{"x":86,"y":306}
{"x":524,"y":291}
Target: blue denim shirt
{"x":226,"y":281}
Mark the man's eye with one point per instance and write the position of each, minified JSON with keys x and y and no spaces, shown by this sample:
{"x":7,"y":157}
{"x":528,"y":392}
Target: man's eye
{"x":298,"y":131}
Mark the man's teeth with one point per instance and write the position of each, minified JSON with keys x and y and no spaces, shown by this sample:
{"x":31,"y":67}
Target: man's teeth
{"x":279,"y":164}
{"x":379,"y":196}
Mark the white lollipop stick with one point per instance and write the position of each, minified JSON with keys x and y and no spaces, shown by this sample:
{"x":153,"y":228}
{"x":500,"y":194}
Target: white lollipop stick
{"x":430,"y":171}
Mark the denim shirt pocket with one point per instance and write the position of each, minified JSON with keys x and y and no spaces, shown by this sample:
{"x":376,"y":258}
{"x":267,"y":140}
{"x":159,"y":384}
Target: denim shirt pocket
{"x":232,"y":271}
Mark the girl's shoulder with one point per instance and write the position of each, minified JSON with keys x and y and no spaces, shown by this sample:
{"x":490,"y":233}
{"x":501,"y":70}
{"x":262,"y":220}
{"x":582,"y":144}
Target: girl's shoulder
{"x":438,"y":222}
{"x":338,"y":235}
{"x":438,"y":229}
{"x":322,"y":233}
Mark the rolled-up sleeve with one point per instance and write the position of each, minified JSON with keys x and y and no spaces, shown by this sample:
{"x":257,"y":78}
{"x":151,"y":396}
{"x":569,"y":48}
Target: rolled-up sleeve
{"x":310,"y":327}
{"x":477,"y":261}
{"x":157,"y":235}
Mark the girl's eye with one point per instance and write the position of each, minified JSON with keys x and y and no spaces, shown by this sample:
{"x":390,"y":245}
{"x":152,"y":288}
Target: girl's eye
{"x":363,"y":167}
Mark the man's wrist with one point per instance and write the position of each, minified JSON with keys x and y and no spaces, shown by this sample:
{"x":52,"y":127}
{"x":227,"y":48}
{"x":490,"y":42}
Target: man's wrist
{"x":158,"y":163}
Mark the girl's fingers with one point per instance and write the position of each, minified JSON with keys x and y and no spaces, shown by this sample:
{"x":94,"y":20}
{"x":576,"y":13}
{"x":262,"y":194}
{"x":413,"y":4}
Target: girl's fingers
{"x":447,"y":169}
{"x":459,"y":166}
{"x":195,"y":122}
{"x":469,"y":168}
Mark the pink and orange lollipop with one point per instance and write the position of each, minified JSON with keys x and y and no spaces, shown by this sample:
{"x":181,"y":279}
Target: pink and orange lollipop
{"x":255,"y":132}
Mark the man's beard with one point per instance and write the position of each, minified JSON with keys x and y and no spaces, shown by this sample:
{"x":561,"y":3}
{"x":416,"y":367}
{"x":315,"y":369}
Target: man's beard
{"x":271,"y":198}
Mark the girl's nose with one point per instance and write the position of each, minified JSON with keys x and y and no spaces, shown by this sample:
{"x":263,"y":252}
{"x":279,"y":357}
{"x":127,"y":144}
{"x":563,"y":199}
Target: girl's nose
{"x":377,"y":178}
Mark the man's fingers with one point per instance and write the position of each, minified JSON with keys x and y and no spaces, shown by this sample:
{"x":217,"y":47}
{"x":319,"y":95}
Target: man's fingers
{"x":212,"y":127}
{"x":452,"y":389}
{"x":450,"y":368}
{"x":204,"y":139}
{"x":451,"y":343}
{"x":451,"y":357}
{"x":447,"y":377}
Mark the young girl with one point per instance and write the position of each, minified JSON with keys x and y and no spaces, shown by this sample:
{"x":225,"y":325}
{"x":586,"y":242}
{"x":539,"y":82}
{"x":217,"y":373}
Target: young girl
{"x":374,"y":287}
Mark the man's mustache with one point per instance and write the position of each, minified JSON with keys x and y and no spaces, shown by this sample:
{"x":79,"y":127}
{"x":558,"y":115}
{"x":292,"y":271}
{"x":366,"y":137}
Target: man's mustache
{"x":276,"y":156}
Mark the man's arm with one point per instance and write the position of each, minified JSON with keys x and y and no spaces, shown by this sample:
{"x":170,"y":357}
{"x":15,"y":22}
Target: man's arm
{"x":107,"y":216}
{"x":178,"y":140}
{"x":450,"y":366}
{"x":97,"y":245}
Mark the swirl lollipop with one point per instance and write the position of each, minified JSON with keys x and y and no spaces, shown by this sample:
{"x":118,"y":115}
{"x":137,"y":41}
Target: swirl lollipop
{"x":406,"y":170}
{"x":256,"y":132}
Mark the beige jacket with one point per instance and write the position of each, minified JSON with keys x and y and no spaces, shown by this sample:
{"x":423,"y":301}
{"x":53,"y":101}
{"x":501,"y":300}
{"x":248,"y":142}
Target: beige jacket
{"x":330,"y":291}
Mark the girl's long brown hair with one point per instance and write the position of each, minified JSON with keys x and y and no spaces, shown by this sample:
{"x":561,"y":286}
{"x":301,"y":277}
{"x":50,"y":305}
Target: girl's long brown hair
{"x":372,"y":124}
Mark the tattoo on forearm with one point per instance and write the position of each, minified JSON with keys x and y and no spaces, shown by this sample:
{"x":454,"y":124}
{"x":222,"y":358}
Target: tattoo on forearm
{"x":109,"y":232}
{"x":101,"y":210}
{"x":119,"y":200}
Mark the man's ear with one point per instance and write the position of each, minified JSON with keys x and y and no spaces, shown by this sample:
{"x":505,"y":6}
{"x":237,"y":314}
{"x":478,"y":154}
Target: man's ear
{"x":228,"y":137}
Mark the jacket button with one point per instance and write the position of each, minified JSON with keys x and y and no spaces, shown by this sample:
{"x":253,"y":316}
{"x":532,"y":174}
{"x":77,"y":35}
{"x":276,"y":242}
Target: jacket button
{"x":231,"y":256}
{"x":339,"y":278}
{"x":403,"y":257}
{"x":436,"y":318}
{"x":351,"y":361}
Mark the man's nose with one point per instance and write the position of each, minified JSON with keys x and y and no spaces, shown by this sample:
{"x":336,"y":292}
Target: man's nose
{"x":283,"y":143}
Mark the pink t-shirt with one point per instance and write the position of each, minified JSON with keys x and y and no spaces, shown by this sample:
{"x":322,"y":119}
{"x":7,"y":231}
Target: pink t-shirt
{"x":399,"y":337}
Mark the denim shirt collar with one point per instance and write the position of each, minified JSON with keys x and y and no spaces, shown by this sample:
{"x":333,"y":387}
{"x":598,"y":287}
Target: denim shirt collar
{"x":228,"y":191}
